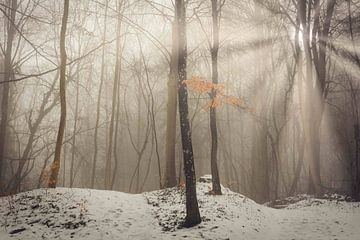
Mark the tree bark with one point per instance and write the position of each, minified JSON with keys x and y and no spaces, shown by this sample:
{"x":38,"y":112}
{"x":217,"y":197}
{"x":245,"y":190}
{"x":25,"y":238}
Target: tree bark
{"x":216,"y":188}
{"x":260,"y":170}
{"x":55,"y":166}
{"x":170,"y":168}
{"x":72,"y":175}
{"x":315,"y":55}
{"x":14,"y":184}
{"x":93,"y":171}
{"x":6,"y":87}
{"x":107,"y":183}
{"x":192,"y":208}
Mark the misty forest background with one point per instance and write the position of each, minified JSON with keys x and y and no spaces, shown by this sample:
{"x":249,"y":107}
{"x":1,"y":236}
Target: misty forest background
{"x":292,"y":69}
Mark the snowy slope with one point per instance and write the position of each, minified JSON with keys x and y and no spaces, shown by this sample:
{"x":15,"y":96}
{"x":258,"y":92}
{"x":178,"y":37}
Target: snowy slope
{"x":92,"y":214}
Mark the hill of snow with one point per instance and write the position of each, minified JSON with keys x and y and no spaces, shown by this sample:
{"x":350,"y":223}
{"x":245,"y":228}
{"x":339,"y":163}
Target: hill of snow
{"x":64,"y":213}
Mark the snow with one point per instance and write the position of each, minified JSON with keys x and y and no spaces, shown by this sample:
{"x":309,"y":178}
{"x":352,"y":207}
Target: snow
{"x":94,"y":214}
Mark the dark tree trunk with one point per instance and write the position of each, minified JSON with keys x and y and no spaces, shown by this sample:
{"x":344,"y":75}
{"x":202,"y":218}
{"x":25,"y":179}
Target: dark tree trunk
{"x":192,"y":208}
{"x":55,"y":166}
{"x":355,"y":173}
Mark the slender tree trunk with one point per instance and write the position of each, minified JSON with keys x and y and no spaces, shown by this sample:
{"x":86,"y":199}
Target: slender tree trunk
{"x":216,"y":188}
{"x":6,"y":87}
{"x":240,"y":187}
{"x":192,"y":208}
{"x":117,"y":123}
{"x":299,"y":166}
{"x":296,"y":129}
{"x":138,"y":132}
{"x":76,"y":116}
{"x":99,"y":98}
{"x":170,"y":144}
{"x":226,"y":156}
{"x":113,"y":108}
{"x":151,"y":108}
{"x":55,"y":166}
{"x":355,"y":172}
{"x":64,"y":162}
{"x":15,"y":182}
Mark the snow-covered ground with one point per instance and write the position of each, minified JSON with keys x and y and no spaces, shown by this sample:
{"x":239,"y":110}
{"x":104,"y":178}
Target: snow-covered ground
{"x":92,"y":214}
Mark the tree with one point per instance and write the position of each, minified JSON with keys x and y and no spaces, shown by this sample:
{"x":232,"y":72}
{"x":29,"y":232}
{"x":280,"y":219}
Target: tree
{"x":55,"y":166}
{"x":34,"y":124}
{"x":216,"y":8}
{"x":170,"y":169}
{"x":6,"y":87}
{"x":260,"y":167}
{"x":355,"y":173}
{"x":99,"y":98}
{"x":315,"y":48}
{"x":117,"y":72}
{"x":192,"y":208}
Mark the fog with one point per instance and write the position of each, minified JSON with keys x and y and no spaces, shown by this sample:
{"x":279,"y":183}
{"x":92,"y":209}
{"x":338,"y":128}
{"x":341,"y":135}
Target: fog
{"x":295,"y":131}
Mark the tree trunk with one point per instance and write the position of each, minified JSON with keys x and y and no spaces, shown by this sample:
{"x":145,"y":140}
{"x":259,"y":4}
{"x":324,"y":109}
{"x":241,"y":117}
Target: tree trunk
{"x":6,"y":87}
{"x":314,"y":181}
{"x":55,"y":166}
{"x":300,"y":163}
{"x":216,"y":188}
{"x":170,"y":169}
{"x":260,"y":170}
{"x":315,"y":95}
{"x":33,"y":130}
{"x":107,"y":183}
{"x":192,"y":208}
{"x":64,"y":163}
{"x":259,"y":163}
{"x":72,"y":175}
{"x":99,"y":99}
{"x":355,"y":173}
{"x":116,"y":145}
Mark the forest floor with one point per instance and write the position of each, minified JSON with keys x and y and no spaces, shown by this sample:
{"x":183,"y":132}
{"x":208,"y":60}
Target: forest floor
{"x":64,"y":213}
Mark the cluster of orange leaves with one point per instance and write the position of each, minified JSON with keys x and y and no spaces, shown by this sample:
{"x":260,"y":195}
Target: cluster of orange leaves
{"x":202,"y":86}
{"x":45,"y":180}
{"x":181,"y":185}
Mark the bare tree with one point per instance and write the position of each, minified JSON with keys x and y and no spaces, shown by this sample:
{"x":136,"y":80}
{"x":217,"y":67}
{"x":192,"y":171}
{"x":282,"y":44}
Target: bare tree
{"x":107,"y":183}
{"x":6,"y":87}
{"x":192,"y":208}
{"x":216,"y":11}
{"x":315,"y":48}
{"x":99,"y":98}
{"x":170,"y":144}
{"x":55,"y":166}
